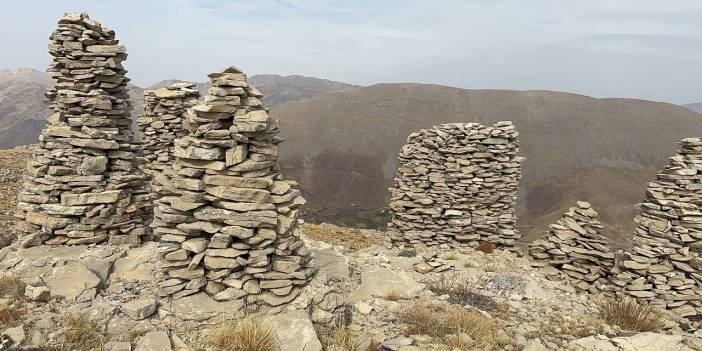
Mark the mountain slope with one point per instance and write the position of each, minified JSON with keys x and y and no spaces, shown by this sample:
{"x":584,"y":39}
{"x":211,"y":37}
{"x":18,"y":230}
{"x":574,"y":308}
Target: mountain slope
{"x":342,"y":148}
{"x":22,"y":106}
{"x":23,"y":112}
{"x":697,"y":107}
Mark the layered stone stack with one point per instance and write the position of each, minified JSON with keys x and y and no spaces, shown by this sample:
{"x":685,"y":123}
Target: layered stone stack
{"x":663,"y":265}
{"x":84,"y":185}
{"x":457,"y":184}
{"x":232,"y":230}
{"x":162,"y":123}
{"x":574,"y":247}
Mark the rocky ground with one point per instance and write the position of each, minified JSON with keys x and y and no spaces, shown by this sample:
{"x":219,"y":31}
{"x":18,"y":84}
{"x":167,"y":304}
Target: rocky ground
{"x":367,"y":295}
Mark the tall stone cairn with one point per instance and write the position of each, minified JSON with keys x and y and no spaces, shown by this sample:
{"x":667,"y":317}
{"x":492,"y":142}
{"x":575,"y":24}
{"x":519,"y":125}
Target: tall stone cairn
{"x":574,"y":247}
{"x":84,"y":185}
{"x":232,"y":230}
{"x":457,"y":184}
{"x":663,"y":265}
{"x":160,"y":125}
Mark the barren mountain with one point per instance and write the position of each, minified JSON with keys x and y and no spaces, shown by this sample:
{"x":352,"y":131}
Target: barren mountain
{"x":23,"y":111}
{"x":697,"y":107}
{"x":342,"y":148}
{"x":22,"y":107}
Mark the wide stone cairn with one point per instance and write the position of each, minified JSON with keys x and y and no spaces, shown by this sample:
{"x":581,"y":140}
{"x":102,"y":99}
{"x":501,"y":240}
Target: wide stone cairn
{"x":232,"y":229}
{"x":457,"y":183}
{"x":663,"y":266}
{"x":574,"y":247}
{"x":84,"y":185}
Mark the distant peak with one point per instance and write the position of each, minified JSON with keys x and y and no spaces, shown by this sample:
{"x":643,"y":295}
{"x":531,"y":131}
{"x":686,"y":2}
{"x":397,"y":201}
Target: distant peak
{"x":20,"y":70}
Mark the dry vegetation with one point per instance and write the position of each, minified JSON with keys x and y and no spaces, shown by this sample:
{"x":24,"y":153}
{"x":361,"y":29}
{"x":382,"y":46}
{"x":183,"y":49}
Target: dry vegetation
{"x":78,"y":333}
{"x":351,"y":238}
{"x":460,"y":289}
{"x":11,"y":287}
{"x":629,"y":315}
{"x":444,"y":321}
{"x":249,"y":334}
{"x":10,"y":316}
{"x":338,"y":335}
{"x":393,"y":295}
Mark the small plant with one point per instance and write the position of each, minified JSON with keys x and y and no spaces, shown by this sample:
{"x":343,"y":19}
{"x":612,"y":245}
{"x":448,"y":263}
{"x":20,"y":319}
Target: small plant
{"x":450,"y":256}
{"x":79,"y":334}
{"x":629,"y":315}
{"x":249,"y":334}
{"x":393,"y":295}
{"x":442,"y":284}
{"x":10,"y":316}
{"x":443,"y":320}
{"x":407,"y":253}
{"x":468,"y":264}
{"x":11,"y":287}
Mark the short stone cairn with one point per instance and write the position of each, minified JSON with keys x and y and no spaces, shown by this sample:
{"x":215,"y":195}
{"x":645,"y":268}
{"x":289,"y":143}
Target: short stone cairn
{"x":457,"y":184}
{"x":84,"y":185}
{"x":663,"y":266}
{"x":232,"y":229}
{"x":574,"y":248}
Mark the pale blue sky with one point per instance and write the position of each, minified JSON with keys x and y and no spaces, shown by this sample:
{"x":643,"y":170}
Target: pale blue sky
{"x":650,"y":49}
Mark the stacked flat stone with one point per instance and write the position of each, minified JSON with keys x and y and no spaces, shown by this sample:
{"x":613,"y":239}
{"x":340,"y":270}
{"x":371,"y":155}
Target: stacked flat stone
{"x":232,"y":229}
{"x":663,"y":265}
{"x":84,"y":185}
{"x":162,"y":123}
{"x":457,"y":184}
{"x":574,"y":248}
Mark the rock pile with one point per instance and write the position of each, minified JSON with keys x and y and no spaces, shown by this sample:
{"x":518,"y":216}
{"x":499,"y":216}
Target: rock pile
{"x":574,"y":246}
{"x":84,"y":185}
{"x":663,"y":266}
{"x":457,"y":183}
{"x":162,"y":123}
{"x":232,"y":229}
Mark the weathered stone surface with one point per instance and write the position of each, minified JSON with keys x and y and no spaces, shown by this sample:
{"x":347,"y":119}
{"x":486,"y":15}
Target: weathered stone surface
{"x":295,"y":331}
{"x":73,"y":282}
{"x":154,"y":341}
{"x":140,"y":309}
{"x":379,"y":281}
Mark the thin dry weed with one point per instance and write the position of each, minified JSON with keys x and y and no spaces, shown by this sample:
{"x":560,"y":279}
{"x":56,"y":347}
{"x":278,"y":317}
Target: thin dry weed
{"x":79,"y":333}
{"x":629,"y":315}
{"x":252,"y":333}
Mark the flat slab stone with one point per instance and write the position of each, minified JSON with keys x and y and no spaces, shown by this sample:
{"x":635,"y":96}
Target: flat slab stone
{"x":74,"y":282}
{"x":378,"y":282}
{"x":154,"y":341}
{"x":295,"y":331}
{"x":200,"y":307}
{"x":331,"y":262}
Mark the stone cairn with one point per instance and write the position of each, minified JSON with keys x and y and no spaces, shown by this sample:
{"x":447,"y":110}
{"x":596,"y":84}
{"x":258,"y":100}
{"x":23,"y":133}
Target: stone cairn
{"x":574,"y":247}
{"x":663,"y":265}
{"x":160,"y":125}
{"x":232,"y":229}
{"x":457,"y":184}
{"x":84,"y":185}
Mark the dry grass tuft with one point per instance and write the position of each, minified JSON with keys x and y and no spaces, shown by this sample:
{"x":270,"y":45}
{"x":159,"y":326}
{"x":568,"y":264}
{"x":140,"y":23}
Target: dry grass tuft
{"x":450,"y":256}
{"x":10,"y":316}
{"x":348,"y":237}
{"x":11,"y":287}
{"x":249,"y":334}
{"x":460,"y":290}
{"x":79,"y":334}
{"x":629,"y":315}
{"x":393,"y":295}
{"x":443,"y":320}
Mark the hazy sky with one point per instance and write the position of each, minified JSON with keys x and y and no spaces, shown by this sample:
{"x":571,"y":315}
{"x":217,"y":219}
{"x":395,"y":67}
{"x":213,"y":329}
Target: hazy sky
{"x":650,"y":49}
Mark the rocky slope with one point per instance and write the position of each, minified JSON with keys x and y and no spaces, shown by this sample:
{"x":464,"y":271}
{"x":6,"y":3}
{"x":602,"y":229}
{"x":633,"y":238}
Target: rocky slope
{"x":343,"y":148}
